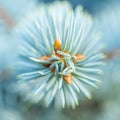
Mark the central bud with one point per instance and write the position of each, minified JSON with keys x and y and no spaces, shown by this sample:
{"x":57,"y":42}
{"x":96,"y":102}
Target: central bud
{"x":61,"y":62}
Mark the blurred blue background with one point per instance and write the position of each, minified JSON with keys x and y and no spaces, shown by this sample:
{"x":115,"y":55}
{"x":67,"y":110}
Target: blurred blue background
{"x":105,"y":103}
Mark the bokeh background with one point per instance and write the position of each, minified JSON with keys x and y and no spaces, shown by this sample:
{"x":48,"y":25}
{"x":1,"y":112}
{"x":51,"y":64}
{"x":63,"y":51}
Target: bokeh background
{"x":105,"y":103}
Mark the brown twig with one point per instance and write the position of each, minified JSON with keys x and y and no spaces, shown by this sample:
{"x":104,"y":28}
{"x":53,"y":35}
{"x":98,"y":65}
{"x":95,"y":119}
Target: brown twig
{"x":112,"y":54}
{"x":8,"y":20}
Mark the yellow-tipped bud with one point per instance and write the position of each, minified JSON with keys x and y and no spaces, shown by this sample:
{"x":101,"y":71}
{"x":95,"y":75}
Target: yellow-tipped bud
{"x":44,"y":57}
{"x":57,"y":45}
{"x":79,"y":56}
{"x":68,"y":78}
